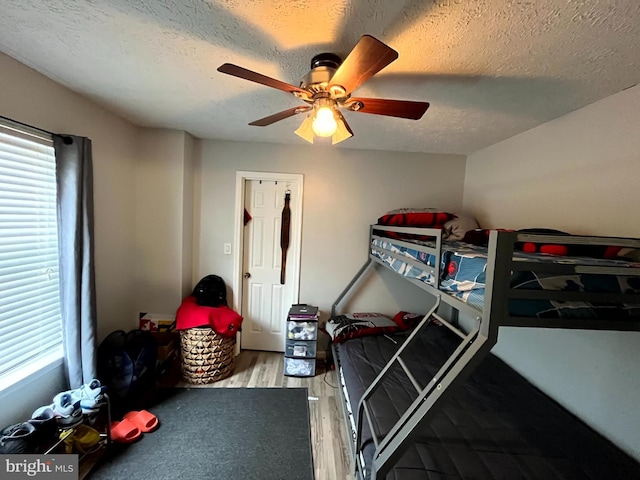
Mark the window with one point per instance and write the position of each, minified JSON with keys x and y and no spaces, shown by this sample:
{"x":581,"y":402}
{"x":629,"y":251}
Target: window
{"x":30,"y":319}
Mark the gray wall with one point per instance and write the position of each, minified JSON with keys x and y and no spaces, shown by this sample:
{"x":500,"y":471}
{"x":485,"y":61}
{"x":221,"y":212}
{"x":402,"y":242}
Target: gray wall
{"x":164,"y":220}
{"x":579,"y":174}
{"x":344,"y":192}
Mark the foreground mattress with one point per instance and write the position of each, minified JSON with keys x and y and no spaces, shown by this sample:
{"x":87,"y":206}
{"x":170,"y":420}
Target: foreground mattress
{"x":463,"y":268}
{"x":495,"y":426}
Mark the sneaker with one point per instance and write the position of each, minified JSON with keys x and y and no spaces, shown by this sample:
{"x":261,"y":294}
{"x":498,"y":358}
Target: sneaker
{"x":46,"y":427}
{"x":17,"y":438}
{"x":68,"y":413}
{"x":90,"y":395}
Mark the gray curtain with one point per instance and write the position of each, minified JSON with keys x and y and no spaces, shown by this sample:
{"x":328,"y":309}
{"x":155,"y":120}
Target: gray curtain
{"x":74,"y":176}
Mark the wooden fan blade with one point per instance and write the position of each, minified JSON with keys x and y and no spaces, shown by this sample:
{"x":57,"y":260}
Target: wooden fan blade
{"x":367,"y":58}
{"x":391,"y":108}
{"x":276,"y":117}
{"x":252,"y":76}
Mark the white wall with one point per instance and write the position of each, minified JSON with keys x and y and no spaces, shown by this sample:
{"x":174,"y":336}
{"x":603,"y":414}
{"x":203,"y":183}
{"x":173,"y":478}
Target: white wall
{"x":164,"y":220}
{"x":29,"y":97}
{"x":579,"y":173}
{"x":188,"y":182}
{"x":344,"y":192}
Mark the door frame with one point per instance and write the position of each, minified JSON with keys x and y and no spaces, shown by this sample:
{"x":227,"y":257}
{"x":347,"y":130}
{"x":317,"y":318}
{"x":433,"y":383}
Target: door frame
{"x":296,"y":183}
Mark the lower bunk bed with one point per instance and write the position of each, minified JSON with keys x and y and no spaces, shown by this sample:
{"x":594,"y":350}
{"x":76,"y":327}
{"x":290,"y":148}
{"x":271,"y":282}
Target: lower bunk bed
{"x":496,"y":425}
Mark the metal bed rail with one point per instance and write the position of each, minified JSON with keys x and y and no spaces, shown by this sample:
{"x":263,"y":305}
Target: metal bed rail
{"x":503,"y":253}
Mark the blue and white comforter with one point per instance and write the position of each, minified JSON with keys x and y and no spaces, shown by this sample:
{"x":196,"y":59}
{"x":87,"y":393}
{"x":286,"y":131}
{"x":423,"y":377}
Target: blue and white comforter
{"x":463,"y":275}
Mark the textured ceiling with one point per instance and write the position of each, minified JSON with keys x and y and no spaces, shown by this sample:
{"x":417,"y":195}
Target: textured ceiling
{"x":489,"y":68}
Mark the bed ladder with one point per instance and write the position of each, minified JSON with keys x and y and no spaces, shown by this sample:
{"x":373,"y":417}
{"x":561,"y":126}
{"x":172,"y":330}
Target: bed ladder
{"x":473,"y":348}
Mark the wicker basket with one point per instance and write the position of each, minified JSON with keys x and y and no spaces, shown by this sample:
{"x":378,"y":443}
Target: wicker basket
{"x":206,"y":356}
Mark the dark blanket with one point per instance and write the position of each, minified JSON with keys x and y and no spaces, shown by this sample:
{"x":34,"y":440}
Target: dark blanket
{"x":496,"y":425}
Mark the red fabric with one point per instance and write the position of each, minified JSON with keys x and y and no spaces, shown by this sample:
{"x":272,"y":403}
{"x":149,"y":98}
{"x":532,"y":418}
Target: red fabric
{"x":480,"y":236}
{"x":548,"y":249}
{"x":416,"y":219}
{"x":452,"y":269}
{"x":406,"y":320}
{"x":247,"y":217}
{"x":224,"y":321}
{"x":555,"y":249}
{"x":612,"y":252}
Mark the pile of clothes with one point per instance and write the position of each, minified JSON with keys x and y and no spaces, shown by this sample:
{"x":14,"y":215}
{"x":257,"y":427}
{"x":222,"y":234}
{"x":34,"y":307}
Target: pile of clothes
{"x":207,"y":306}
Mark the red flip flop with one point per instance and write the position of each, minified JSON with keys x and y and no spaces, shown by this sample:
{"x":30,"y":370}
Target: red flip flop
{"x":125,"y":432}
{"x":143,"y":419}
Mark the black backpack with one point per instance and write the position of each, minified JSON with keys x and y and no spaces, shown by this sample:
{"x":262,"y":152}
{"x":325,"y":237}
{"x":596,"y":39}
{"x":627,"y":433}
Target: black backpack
{"x":211,"y":291}
{"x":127,"y":367}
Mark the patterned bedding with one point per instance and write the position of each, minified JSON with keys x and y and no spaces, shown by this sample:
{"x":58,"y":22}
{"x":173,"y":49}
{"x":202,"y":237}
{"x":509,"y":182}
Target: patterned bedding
{"x":463,"y":275}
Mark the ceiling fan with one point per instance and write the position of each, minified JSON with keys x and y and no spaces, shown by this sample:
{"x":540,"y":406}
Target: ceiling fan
{"x":327,"y":89}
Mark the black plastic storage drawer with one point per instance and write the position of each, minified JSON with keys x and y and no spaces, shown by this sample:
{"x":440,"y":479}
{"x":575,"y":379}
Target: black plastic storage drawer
{"x":300,"y":348}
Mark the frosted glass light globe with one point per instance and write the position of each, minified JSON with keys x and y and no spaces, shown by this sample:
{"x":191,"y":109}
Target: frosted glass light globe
{"x":324,"y":123}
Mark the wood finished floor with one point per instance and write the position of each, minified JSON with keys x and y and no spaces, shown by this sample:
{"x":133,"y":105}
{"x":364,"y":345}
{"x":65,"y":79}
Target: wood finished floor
{"x":331,"y":456}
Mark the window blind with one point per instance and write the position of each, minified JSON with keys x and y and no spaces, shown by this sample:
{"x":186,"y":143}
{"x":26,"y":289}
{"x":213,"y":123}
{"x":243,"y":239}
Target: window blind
{"x":30,"y":318}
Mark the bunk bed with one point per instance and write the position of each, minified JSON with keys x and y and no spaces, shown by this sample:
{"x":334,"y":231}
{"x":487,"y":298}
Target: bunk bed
{"x":434,"y":403}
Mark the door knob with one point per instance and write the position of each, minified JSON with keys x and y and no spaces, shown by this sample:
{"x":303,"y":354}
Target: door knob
{"x":247,"y":275}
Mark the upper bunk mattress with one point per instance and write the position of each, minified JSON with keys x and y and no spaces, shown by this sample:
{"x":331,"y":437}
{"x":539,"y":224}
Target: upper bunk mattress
{"x":496,"y":425}
{"x":463,"y":275}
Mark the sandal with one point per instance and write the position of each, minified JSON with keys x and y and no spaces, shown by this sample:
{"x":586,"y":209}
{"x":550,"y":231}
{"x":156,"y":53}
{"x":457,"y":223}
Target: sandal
{"x":124,"y":432}
{"x":144,"y":420}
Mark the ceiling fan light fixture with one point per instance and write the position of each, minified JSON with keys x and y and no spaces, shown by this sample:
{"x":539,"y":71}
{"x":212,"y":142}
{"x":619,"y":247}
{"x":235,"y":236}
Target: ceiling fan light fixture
{"x":324,"y":117}
{"x":324,"y":122}
{"x":327,"y":88}
{"x":342,"y":132}
{"x":305,"y":130}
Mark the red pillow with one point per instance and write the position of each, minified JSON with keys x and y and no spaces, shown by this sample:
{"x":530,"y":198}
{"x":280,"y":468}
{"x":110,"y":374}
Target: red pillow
{"x":548,"y":249}
{"x":415,"y":217}
{"x":224,"y":321}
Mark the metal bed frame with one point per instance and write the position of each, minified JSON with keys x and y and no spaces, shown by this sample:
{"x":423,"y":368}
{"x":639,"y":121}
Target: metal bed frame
{"x":477,"y":343}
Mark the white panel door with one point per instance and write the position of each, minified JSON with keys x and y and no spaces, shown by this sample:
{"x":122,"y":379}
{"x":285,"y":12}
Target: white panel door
{"x":265,"y":302}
